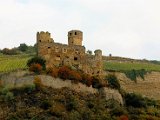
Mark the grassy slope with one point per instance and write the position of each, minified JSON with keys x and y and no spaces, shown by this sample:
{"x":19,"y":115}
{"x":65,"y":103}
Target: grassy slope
{"x":13,"y":62}
{"x":129,"y":66}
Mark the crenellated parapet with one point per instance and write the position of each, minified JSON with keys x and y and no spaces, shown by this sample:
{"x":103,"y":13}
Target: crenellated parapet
{"x":44,"y":37}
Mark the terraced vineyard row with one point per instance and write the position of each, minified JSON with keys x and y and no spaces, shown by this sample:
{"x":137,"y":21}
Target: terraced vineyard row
{"x":10,"y":63}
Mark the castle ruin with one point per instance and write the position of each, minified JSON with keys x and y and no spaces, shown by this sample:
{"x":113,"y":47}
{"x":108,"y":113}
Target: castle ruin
{"x":71,"y":54}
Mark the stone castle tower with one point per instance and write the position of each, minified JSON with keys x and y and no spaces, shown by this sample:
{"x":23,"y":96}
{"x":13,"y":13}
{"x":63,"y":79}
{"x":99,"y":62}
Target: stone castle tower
{"x":75,"y":37}
{"x":73,"y":54}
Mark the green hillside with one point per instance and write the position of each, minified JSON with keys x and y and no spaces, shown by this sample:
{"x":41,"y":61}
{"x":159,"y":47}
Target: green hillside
{"x":125,"y":66}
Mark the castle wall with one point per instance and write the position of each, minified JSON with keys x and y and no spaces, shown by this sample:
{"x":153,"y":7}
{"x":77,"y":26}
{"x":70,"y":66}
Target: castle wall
{"x":57,"y":54}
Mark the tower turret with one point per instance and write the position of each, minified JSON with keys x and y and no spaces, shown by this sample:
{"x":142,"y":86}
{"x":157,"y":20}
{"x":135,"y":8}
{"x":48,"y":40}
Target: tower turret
{"x":44,"y":37}
{"x":98,"y":54}
{"x":75,"y":37}
{"x":98,"y":63}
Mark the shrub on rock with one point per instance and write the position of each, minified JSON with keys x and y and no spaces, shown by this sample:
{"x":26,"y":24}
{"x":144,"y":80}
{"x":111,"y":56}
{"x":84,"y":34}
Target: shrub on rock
{"x":37,"y":60}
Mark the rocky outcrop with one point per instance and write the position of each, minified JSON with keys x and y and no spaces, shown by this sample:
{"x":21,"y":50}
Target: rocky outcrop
{"x":148,"y":87}
{"x":59,"y":83}
{"x":109,"y":93}
{"x":18,"y":79}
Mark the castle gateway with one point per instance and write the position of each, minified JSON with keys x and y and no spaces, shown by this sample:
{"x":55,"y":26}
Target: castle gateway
{"x":71,"y":54}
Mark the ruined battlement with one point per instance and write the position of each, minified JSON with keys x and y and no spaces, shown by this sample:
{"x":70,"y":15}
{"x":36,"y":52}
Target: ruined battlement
{"x":44,"y":37}
{"x":71,"y":54}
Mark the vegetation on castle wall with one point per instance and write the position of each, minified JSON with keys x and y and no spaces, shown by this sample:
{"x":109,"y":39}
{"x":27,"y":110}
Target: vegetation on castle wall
{"x":66,"y":73}
{"x":52,"y":71}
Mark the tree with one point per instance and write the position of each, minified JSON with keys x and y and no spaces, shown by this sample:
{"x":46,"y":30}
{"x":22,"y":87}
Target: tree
{"x":23,"y":47}
{"x":7,"y":51}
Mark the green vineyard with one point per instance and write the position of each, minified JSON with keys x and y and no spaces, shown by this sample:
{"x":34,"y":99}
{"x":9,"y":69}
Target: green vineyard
{"x":125,"y":66}
{"x":13,"y":62}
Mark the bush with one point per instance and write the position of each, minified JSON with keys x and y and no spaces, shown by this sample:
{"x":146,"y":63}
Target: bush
{"x":37,"y":60}
{"x":29,"y":88}
{"x":0,"y":83}
{"x":71,"y":103}
{"x":24,"y":89}
{"x":38,"y":83}
{"x":23,"y":47}
{"x":64,"y":72}
{"x":123,"y":117}
{"x":86,"y":79}
{"x":46,"y":104}
{"x":53,"y":72}
{"x":57,"y":110}
{"x":97,"y":82}
{"x":135,"y":100}
{"x":9,"y":96}
{"x":7,"y":51}
{"x":133,"y":74}
{"x":5,"y":90}
{"x":113,"y":82}
{"x":118,"y":111}
{"x":74,"y":115}
{"x":74,"y":75}
{"x":36,"y":68}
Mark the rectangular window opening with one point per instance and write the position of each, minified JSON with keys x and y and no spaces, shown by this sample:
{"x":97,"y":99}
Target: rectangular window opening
{"x":75,"y":58}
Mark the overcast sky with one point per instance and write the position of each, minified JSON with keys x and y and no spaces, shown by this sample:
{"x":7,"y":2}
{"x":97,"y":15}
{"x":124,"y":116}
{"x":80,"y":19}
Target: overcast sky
{"x":128,"y":28}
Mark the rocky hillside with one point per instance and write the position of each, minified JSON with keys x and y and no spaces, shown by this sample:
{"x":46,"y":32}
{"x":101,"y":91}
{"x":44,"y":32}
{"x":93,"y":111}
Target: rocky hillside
{"x":23,"y":78}
{"x":148,"y":87}
{"x":39,"y":97}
